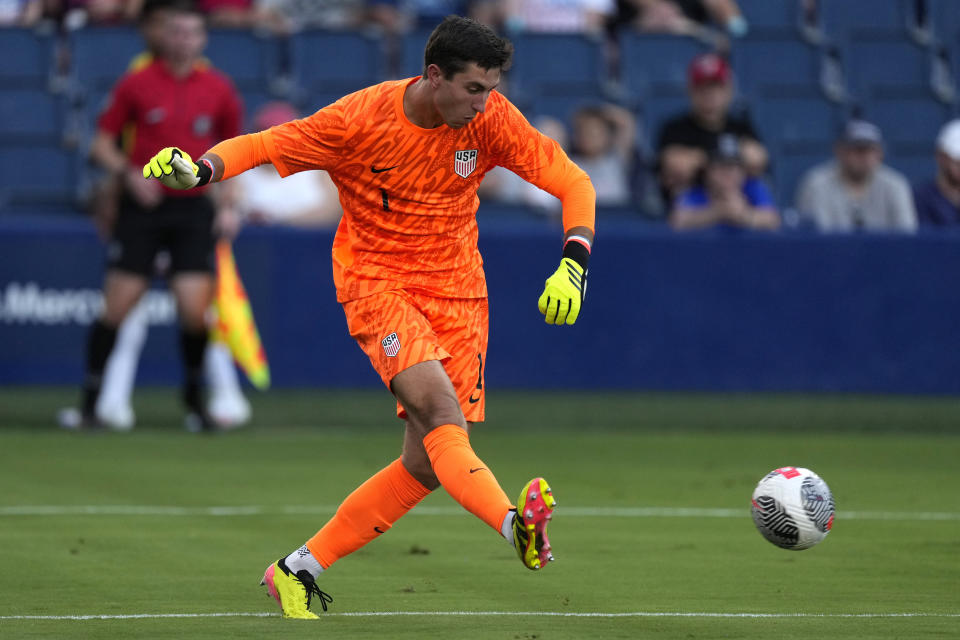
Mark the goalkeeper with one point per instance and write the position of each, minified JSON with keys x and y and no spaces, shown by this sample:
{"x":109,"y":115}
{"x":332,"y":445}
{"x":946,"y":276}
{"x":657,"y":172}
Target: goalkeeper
{"x":407,"y":157}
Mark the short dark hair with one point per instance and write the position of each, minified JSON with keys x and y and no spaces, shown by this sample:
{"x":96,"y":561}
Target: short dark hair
{"x":458,"y":41}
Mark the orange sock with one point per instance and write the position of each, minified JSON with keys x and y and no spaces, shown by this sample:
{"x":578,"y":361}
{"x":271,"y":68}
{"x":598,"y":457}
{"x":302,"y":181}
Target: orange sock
{"x":464,"y":476}
{"x":367,"y":512}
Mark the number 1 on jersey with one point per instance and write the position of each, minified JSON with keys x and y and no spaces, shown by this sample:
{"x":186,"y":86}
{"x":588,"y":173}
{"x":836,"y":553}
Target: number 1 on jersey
{"x":386,"y":200}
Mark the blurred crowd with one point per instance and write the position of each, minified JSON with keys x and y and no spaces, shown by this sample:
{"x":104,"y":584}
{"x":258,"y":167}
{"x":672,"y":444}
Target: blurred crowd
{"x":708,"y":18}
{"x":707,"y":165}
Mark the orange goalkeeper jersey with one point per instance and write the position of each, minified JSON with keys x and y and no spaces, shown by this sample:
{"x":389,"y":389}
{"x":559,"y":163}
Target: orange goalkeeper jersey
{"x":409,"y":194}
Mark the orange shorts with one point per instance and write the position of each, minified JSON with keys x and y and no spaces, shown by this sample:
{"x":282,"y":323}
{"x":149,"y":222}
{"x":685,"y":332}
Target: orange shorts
{"x":398,"y":329}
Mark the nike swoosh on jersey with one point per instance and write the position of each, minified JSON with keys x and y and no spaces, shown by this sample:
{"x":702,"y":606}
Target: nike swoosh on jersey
{"x":375,"y":170}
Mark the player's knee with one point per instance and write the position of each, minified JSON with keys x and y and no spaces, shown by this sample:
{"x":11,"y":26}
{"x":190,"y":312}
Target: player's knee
{"x":433,"y":410}
{"x":419,"y":467}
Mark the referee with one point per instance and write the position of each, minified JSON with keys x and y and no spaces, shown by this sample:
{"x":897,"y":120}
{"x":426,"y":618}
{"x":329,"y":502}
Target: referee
{"x":177,"y":96}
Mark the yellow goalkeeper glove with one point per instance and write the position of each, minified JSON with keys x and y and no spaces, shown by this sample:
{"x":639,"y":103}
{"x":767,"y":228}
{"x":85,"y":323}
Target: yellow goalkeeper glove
{"x":563,"y":294}
{"x":174,"y":169}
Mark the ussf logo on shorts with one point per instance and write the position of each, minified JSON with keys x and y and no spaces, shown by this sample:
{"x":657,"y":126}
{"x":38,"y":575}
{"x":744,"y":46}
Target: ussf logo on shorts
{"x":391,"y":345}
{"x":464,"y":162}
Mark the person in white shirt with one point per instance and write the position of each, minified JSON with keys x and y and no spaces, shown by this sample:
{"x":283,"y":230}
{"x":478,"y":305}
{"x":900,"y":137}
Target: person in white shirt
{"x":856,"y":191}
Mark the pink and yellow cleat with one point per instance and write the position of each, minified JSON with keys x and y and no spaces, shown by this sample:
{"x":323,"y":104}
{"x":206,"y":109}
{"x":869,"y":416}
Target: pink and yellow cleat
{"x":293,"y":591}
{"x":534,"y":511}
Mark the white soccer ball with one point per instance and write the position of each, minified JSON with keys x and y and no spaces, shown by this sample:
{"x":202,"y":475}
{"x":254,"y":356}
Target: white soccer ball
{"x":793,"y":508}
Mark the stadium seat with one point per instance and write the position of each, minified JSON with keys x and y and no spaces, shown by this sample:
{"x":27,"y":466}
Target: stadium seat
{"x":30,"y":115}
{"x":842,"y":19}
{"x":771,"y":64}
{"x":886,"y":66}
{"x":252,"y":101}
{"x":26,"y":57}
{"x":555,"y":64}
{"x":412,"y":53}
{"x":789,"y":119}
{"x":781,"y":15}
{"x":791,"y":161}
{"x":945,"y":18}
{"x":334,"y":62}
{"x":908,"y":119}
{"x":252,"y":61}
{"x":918,"y":166}
{"x":652,"y":65}
{"x":36,"y":174}
{"x":657,"y":109}
{"x":100,"y":55}
{"x":561,"y":107}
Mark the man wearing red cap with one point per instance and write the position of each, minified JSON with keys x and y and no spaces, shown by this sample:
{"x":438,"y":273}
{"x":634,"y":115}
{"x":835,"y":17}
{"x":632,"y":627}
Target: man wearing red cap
{"x":685,"y":141}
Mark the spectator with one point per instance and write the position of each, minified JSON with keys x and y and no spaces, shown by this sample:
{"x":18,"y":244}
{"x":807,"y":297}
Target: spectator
{"x":604,"y":146}
{"x":306,"y":199}
{"x":938,"y":201}
{"x":20,"y":13}
{"x":504,"y":186}
{"x":557,"y":16}
{"x":684,"y":141}
{"x":151,"y":218}
{"x":83,"y":12}
{"x":855,"y":190}
{"x":725,"y":195}
{"x":682,"y":17}
{"x":296,"y":15}
{"x":231,"y":14}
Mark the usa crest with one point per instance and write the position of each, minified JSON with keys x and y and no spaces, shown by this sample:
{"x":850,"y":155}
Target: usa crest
{"x":464,"y":162}
{"x":391,"y":345}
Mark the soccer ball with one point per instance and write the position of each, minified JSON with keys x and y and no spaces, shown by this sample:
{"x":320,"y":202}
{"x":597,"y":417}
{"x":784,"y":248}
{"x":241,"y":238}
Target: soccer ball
{"x":793,"y":508}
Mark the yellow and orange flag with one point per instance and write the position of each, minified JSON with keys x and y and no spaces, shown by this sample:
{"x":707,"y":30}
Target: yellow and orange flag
{"x":234,"y":325}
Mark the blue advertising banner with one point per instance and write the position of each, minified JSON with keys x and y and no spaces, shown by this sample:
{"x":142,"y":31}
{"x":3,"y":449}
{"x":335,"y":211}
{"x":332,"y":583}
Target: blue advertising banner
{"x":711,"y":311}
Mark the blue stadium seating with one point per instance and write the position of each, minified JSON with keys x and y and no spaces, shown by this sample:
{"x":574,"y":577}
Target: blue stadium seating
{"x":918,"y":166}
{"x":554,"y":64}
{"x":657,"y":109}
{"x":789,"y":119}
{"x":885,"y":66}
{"x":251,"y":61}
{"x":412,"y":53}
{"x":334,"y":63}
{"x":252,"y":101}
{"x":100,"y":55}
{"x":26,"y":57}
{"x":652,"y":65}
{"x":945,"y":18}
{"x":781,"y":15}
{"x":561,"y":107}
{"x":36,"y":174}
{"x":790,"y":162}
{"x":908,"y":121}
{"x":775,"y":65}
{"x":30,"y":114}
{"x":845,"y":18}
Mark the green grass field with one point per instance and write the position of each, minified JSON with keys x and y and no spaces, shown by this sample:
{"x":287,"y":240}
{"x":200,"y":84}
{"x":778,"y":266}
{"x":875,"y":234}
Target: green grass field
{"x":653,"y":520}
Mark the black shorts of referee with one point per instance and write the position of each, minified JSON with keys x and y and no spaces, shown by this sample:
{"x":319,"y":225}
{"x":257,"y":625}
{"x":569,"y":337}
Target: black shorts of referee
{"x":183,"y":227}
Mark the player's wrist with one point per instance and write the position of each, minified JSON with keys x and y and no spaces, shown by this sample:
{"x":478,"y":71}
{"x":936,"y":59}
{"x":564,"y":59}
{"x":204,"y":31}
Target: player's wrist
{"x":577,"y":248}
{"x":204,"y":172}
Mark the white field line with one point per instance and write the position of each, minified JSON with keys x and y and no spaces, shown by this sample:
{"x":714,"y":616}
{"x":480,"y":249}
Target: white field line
{"x":484,"y":614}
{"x":583,"y":512}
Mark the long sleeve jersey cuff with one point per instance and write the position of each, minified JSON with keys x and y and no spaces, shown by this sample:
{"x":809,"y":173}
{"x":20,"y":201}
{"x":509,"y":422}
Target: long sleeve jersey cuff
{"x":241,"y":153}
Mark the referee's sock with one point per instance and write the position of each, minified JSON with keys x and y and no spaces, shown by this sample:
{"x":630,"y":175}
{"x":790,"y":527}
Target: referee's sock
{"x":100,"y":343}
{"x":193,"y":344}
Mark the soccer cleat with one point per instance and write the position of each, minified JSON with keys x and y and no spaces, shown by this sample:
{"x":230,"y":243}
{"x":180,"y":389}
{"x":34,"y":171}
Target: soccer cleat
{"x":73,"y":419}
{"x":199,"y":422}
{"x":534,"y":510}
{"x":229,"y":410}
{"x":293,"y":591}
